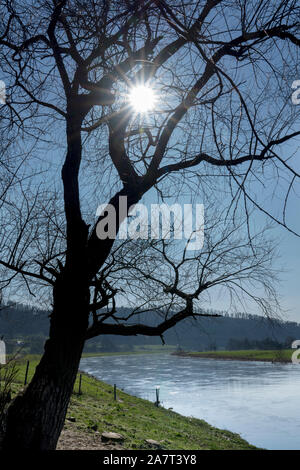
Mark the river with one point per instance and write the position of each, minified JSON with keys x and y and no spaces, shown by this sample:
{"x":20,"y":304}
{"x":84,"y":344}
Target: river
{"x":258,"y":400}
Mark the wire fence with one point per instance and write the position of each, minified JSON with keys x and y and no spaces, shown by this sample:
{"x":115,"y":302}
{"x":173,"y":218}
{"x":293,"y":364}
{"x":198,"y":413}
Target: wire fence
{"x":90,"y":385}
{"x":86,"y":384}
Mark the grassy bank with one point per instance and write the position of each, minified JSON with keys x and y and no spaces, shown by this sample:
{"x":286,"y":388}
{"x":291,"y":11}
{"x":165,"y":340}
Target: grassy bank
{"x":283,"y":356}
{"x":137,"y":350}
{"x":96,"y":411}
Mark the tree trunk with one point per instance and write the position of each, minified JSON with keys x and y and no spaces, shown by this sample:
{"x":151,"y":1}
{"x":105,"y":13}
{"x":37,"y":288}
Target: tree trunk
{"x":36,"y":417}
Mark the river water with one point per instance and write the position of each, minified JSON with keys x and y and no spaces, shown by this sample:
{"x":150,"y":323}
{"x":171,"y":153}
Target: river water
{"x":258,"y":400}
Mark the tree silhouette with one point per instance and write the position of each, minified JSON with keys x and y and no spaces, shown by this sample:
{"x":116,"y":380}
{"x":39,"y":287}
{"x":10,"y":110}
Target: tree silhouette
{"x":68,"y":65}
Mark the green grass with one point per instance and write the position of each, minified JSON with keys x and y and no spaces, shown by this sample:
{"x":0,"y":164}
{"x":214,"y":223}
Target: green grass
{"x":136,"y":419}
{"x":247,"y":355}
{"x":147,"y":349}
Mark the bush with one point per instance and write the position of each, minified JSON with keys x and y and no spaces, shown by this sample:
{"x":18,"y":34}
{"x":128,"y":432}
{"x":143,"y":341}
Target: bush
{"x":8,"y":373}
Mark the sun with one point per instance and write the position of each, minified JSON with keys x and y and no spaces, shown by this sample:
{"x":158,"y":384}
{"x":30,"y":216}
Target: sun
{"x":142,"y":98}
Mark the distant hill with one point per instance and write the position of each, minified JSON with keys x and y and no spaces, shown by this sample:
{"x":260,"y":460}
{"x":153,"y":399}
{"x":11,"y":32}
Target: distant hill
{"x":30,"y":325}
{"x":210,"y":333}
{"x":23,"y":320}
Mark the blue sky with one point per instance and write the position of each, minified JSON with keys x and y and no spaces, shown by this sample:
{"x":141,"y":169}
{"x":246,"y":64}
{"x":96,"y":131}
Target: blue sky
{"x":290,"y":260}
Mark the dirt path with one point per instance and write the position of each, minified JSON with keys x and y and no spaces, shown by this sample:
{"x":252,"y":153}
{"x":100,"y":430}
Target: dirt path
{"x":72,"y":438}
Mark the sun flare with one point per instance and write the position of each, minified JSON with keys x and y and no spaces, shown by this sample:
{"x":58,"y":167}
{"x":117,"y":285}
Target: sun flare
{"x":142,"y":98}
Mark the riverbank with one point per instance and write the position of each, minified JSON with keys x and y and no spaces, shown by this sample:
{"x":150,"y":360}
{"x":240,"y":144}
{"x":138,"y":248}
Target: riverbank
{"x":94,"y":412}
{"x":278,"y":356}
{"x":136,"y":351}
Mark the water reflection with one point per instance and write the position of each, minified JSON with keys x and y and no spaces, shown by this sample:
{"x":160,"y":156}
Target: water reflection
{"x":256,"y":399}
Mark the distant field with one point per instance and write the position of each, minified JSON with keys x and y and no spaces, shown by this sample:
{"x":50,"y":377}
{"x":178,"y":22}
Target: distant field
{"x":96,"y":411}
{"x":148,"y":349}
{"x":283,"y":355}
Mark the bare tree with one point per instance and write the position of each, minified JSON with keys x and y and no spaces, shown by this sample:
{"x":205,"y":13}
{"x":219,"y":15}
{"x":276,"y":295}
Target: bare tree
{"x":173,"y":283}
{"x":69,"y":65}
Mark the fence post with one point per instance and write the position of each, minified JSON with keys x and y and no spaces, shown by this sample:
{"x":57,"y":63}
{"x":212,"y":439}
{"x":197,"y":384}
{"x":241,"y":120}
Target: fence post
{"x":26,"y":373}
{"x":157,"y":397}
{"x":115,"y":392}
{"x":79,"y":389}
